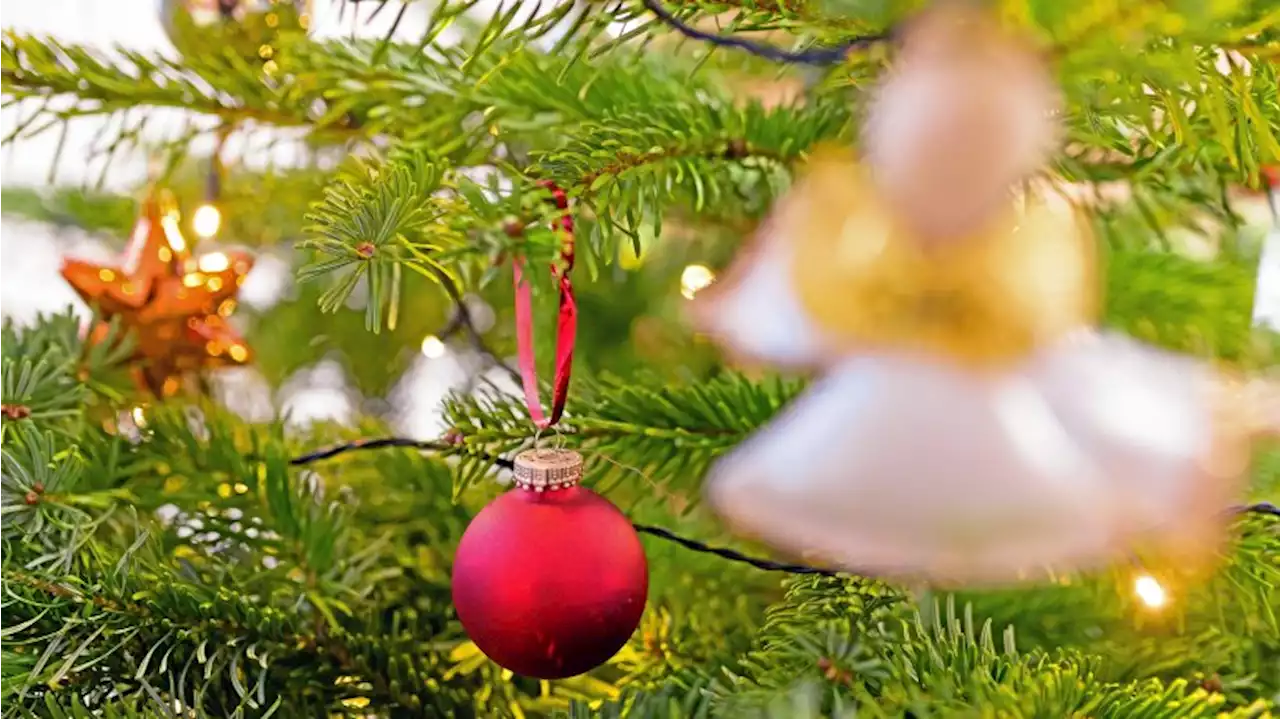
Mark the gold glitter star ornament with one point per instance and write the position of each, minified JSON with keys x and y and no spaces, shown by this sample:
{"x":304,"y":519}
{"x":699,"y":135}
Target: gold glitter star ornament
{"x":175,"y":305}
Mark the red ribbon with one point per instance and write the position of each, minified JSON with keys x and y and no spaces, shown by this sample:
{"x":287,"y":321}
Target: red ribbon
{"x":566,"y":323}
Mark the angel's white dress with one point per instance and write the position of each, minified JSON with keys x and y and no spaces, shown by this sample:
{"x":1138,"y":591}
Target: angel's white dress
{"x":909,"y":465}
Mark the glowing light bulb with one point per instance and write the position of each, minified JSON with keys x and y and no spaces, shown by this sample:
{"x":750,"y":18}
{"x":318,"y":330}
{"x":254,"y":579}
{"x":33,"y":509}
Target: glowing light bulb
{"x":433,"y":347}
{"x":1150,"y":592}
{"x":172,"y":232}
{"x":213,"y":262}
{"x":694,"y":279}
{"x":206,"y":220}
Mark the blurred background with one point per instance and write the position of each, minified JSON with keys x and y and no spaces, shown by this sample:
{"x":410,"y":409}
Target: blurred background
{"x":71,"y":196}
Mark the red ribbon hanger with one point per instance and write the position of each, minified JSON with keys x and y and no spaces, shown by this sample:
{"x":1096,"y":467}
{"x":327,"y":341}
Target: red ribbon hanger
{"x":566,"y":322}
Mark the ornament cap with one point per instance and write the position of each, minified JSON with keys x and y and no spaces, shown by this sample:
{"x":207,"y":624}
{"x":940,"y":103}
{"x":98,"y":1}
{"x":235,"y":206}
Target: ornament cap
{"x":547,"y":469}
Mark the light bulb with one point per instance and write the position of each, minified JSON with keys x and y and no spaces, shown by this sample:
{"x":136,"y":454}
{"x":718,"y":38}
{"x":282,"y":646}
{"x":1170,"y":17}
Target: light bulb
{"x":206,"y":220}
{"x":694,"y":279}
{"x":172,"y":232}
{"x":1150,"y":592}
{"x":213,"y":262}
{"x":433,"y":347}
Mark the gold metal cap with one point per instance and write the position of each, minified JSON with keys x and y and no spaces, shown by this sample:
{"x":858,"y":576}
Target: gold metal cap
{"x":548,"y":469}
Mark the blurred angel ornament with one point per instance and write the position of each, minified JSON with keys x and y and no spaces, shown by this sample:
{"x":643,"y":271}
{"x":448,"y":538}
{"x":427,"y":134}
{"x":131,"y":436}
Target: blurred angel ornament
{"x":965,"y":110}
{"x":971,"y":426}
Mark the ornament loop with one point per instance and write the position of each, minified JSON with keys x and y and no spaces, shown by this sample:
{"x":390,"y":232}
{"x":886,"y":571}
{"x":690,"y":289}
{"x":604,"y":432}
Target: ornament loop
{"x":566,"y":323}
{"x":547,"y":469}
{"x":559,"y":437}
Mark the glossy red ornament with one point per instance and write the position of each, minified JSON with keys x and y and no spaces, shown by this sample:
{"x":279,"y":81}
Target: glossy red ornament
{"x":550,"y":579}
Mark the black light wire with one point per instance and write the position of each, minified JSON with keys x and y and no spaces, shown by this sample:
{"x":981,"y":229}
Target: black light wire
{"x":1264,"y":508}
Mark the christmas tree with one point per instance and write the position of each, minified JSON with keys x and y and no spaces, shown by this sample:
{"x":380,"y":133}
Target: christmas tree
{"x":168,"y":552}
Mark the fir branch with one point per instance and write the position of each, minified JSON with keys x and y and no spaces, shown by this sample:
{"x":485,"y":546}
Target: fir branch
{"x":668,"y":433}
{"x":627,"y":170}
{"x":624,"y":168}
{"x":91,"y":211}
{"x":157,"y":626}
{"x":1223,"y":624}
{"x":812,"y":56}
{"x":57,"y":706}
{"x":375,"y":220}
{"x":44,"y":498}
{"x":833,"y":654}
{"x":335,"y":91}
{"x":45,"y":68}
{"x":331,"y":92}
{"x":291,"y":518}
{"x":258,"y":209}
{"x":670,"y":701}
{"x":163,"y":608}
{"x":1186,"y":305}
{"x":50,"y":373}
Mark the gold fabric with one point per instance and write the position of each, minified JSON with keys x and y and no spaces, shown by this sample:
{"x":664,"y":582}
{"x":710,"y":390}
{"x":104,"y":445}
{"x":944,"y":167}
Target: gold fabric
{"x":1025,"y":279}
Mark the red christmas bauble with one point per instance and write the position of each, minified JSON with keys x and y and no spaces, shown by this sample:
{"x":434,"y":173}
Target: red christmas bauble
{"x":550,"y":579}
